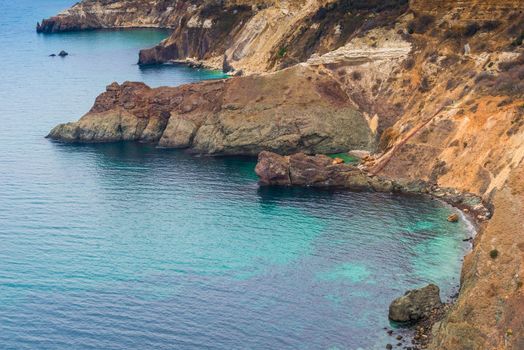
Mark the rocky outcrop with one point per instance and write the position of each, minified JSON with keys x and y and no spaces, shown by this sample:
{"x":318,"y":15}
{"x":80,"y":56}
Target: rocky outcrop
{"x":200,"y":35}
{"x":416,"y":304}
{"x":317,"y":171}
{"x":100,"y":14}
{"x":234,"y":116}
{"x":272,"y":35}
{"x":323,"y":171}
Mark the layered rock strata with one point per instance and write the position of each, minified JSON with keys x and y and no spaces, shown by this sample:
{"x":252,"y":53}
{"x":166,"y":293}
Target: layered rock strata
{"x":234,"y":35}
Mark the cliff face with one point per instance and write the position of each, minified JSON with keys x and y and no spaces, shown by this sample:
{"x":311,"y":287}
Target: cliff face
{"x":100,"y":14}
{"x":241,"y":35}
{"x":434,"y":89}
{"x":469,"y":59}
{"x":234,"y":116}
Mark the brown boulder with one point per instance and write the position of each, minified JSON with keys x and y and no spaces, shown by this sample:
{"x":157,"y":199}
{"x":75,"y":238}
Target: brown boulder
{"x":273,"y":169}
{"x":317,"y":171}
{"x":416,"y":304}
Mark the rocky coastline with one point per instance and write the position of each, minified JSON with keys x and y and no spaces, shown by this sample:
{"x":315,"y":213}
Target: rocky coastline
{"x":322,"y":171}
{"x":432,"y":90}
{"x":224,"y":118}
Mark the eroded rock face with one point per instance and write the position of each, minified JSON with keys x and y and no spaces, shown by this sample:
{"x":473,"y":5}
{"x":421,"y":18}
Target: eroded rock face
{"x":236,"y":35}
{"x":201,"y":34}
{"x":416,"y":304}
{"x":243,"y":115}
{"x":273,"y":169}
{"x":317,"y":171}
{"x":99,"y":14}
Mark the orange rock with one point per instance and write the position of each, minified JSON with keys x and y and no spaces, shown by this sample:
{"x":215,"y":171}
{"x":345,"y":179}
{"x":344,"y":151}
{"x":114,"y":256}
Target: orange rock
{"x":453,"y":218}
{"x":338,"y":161}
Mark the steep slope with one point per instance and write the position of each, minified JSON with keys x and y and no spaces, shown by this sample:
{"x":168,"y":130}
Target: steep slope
{"x":234,"y":35}
{"x":470,"y":61}
{"x":100,"y":14}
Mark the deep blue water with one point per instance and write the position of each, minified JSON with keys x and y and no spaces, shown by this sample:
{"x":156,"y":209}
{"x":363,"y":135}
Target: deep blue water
{"x":125,"y":246}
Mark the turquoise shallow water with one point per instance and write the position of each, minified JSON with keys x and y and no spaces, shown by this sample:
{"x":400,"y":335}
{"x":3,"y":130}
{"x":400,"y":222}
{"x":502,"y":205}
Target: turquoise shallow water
{"x":125,"y":246}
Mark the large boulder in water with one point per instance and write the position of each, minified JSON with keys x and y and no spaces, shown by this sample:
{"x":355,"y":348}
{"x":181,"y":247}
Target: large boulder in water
{"x":273,"y":169}
{"x":416,"y":304}
{"x":300,"y":169}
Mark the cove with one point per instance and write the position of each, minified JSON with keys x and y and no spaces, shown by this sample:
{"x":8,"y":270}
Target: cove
{"x":124,"y":246}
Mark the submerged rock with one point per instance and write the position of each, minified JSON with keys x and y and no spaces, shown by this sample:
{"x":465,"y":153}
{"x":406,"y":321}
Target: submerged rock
{"x":416,"y":304}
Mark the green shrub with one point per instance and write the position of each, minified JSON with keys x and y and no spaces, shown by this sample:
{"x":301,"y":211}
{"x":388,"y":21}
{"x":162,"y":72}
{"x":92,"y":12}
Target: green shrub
{"x":424,"y":86}
{"x":409,"y":63}
{"x":282,"y":52}
{"x":494,"y":254}
{"x":489,"y":26}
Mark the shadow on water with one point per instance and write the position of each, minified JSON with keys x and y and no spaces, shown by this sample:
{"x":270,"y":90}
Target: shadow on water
{"x":200,"y":74}
{"x":150,"y":156}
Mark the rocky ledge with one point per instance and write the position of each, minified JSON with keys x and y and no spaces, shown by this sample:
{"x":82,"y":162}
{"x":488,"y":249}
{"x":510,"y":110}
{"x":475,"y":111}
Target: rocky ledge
{"x":241,"y":116}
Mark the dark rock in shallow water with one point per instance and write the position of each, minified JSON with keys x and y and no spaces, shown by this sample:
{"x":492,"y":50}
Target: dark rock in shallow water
{"x":52,"y":55}
{"x":63,"y":54}
{"x":416,"y":304}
